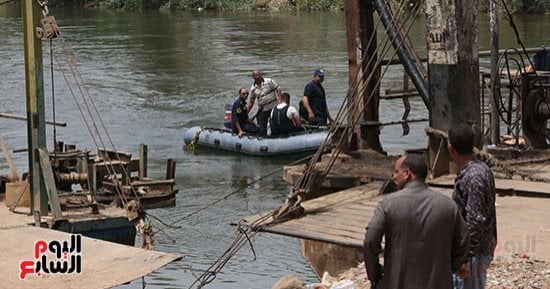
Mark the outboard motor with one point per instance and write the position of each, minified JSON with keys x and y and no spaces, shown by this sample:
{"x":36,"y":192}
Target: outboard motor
{"x":227,"y":116}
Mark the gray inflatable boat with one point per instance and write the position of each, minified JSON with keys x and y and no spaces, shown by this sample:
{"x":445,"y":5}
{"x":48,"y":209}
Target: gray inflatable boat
{"x":294,"y":143}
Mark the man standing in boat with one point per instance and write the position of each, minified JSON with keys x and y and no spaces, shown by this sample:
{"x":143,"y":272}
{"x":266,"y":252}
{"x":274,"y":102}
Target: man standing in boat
{"x":239,"y":115}
{"x":313,"y":106}
{"x":266,"y":91}
{"x":284,"y":118}
{"x":474,"y":193}
{"x":426,"y":238}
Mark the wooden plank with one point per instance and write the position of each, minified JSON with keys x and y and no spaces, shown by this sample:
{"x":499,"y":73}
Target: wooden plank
{"x":317,"y":236}
{"x":505,"y":187}
{"x":49,"y":182}
{"x":338,"y":218}
{"x":339,"y":226}
{"x":97,"y":267}
{"x":7,"y":156}
{"x":327,"y":231}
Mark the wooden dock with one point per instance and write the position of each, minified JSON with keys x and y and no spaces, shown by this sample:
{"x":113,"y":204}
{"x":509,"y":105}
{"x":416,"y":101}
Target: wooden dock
{"x":104,"y":264}
{"x":340,"y":219}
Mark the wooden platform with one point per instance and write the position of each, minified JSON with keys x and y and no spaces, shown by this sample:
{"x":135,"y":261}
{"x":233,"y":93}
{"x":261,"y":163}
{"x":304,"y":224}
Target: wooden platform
{"x":104,"y":264}
{"x":340,"y":218}
{"x":504,"y":187}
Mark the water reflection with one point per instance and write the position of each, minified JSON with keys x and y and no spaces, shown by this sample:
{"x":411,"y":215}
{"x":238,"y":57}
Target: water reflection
{"x":155,"y":74}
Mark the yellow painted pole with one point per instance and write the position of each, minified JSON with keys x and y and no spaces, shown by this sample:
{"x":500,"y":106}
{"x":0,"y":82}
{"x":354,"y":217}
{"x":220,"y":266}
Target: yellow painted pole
{"x":32,"y":33}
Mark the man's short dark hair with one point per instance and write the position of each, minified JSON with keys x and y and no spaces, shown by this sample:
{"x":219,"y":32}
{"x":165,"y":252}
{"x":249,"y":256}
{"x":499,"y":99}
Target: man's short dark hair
{"x":417,"y":164}
{"x":461,"y":138}
{"x":285,"y":97}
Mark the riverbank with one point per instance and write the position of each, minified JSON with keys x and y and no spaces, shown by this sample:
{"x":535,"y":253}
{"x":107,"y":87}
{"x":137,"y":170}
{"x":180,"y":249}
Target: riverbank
{"x":515,"y":6}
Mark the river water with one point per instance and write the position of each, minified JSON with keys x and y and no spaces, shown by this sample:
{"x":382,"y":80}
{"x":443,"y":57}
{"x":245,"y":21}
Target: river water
{"x":155,"y":74}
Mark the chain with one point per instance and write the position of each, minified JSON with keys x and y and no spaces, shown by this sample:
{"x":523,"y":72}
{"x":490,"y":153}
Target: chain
{"x":6,"y":1}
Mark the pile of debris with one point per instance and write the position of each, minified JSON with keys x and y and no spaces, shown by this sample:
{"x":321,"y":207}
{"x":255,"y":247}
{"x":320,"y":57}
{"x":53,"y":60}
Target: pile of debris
{"x":518,"y":271}
{"x":506,"y":272}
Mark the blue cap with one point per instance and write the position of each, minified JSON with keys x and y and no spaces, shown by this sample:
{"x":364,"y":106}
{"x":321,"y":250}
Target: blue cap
{"x":319,"y":72}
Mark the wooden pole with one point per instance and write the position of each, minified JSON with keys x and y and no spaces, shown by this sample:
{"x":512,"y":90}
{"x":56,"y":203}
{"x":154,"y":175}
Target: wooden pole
{"x":13,"y":116}
{"x":142,"y":161}
{"x":360,"y":29}
{"x":453,"y":70}
{"x":32,"y":34}
{"x":170,"y":169}
{"x":351,"y":9}
{"x":495,"y":79}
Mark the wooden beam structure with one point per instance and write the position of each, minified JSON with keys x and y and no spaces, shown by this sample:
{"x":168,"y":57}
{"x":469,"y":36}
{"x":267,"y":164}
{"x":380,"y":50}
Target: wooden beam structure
{"x":36,"y":131}
{"x":362,"y":45}
{"x":453,"y":69}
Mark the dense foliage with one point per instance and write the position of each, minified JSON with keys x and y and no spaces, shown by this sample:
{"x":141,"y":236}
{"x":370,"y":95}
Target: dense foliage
{"x":515,"y":6}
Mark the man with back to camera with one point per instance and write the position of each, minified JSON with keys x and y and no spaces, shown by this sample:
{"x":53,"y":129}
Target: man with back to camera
{"x":239,"y":115}
{"x":313,"y":106}
{"x":284,"y":118}
{"x":426,"y":238}
{"x":266,"y":91}
{"x":474,"y":193}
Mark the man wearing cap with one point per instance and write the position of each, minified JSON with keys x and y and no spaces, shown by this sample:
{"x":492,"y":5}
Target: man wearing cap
{"x":266,"y":91}
{"x":313,"y":107}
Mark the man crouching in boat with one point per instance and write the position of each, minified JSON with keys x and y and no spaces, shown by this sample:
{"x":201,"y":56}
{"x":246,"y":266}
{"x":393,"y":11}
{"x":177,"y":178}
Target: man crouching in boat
{"x":284,"y":118}
{"x":239,"y":115}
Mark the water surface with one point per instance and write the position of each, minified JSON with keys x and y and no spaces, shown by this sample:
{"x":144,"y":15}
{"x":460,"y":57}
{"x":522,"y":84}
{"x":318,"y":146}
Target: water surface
{"x":153,"y":75}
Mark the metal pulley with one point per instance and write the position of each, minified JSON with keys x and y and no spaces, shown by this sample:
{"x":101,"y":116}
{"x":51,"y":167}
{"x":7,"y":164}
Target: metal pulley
{"x":50,"y":28}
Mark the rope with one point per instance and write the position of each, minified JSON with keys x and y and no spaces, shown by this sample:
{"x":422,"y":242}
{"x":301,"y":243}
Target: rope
{"x":53,"y":97}
{"x":292,"y":204}
{"x":90,"y":114}
{"x":244,"y":233}
{"x":191,"y":146}
{"x":514,"y":27}
{"x":305,"y":183}
{"x":239,"y":190}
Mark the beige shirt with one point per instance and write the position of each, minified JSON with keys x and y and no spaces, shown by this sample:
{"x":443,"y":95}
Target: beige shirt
{"x":265,"y":93}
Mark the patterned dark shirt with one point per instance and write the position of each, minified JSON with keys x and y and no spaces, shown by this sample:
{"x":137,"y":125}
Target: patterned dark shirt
{"x":474,"y":194}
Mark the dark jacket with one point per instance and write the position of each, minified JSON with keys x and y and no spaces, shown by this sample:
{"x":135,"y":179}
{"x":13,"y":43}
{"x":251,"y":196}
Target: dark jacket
{"x":239,"y":113}
{"x":426,"y":240}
